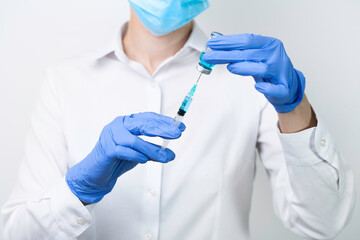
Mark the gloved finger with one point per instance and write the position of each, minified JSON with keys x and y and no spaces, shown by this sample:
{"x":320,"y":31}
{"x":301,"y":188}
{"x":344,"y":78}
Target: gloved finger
{"x":255,"y":69}
{"x":272,"y":90}
{"x":221,"y":57}
{"x":157,"y":117}
{"x":125,"y":153}
{"x":153,"y":127}
{"x":170,"y":155}
{"x":239,"y":42}
{"x":151,"y":151}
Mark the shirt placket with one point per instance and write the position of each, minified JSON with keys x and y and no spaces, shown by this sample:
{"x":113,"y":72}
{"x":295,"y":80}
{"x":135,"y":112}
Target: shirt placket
{"x":153,"y":178}
{"x":154,"y":170}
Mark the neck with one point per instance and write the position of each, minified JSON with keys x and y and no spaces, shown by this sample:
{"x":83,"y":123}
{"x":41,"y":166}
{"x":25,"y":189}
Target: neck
{"x":149,"y":50}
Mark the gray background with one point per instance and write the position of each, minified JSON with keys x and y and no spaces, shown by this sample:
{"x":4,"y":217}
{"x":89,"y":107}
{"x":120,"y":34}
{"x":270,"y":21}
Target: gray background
{"x":321,"y":37}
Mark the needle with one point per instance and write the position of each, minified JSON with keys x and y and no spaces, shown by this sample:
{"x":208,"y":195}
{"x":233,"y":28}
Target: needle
{"x":199,"y":77}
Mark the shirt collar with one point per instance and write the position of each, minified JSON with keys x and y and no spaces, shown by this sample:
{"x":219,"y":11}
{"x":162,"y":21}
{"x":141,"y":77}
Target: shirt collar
{"x":197,"y":41}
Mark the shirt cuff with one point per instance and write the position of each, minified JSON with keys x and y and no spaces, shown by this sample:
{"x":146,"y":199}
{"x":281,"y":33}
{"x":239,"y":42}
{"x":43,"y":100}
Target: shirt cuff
{"x":71,"y":215}
{"x":309,"y":146}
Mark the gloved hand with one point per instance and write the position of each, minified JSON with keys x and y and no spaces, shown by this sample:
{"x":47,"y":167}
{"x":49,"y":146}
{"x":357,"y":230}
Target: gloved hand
{"x":265,"y":59}
{"x":118,"y":150}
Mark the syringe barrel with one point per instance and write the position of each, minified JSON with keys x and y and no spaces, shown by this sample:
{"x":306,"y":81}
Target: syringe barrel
{"x":186,"y":103}
{"x":177,"y":121}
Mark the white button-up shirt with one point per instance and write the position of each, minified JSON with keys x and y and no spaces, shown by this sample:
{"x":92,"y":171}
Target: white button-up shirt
{"x":205,"y":193}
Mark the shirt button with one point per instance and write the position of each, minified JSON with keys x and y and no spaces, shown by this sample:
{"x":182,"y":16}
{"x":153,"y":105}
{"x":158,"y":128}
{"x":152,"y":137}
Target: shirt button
{"x":323,"y":142}
{"x":153,"y":83}
{"x":80,"y":221}
{"x":152,"y":193}
{"x":148,"y":236}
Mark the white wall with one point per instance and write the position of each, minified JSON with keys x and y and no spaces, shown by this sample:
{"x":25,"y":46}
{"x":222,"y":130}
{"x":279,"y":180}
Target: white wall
{"x":322,"y":38}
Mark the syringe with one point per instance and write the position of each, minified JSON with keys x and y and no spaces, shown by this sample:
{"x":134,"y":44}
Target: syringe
{"x":182,"y":110}
{"x":202,"y":67}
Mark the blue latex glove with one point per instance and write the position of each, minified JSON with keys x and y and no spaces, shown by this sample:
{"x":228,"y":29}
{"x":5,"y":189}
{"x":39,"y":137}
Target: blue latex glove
{"x":118,"y":150}
{"x":265,"y":59}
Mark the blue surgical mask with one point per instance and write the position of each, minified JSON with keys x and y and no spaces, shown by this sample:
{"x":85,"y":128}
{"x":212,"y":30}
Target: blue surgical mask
{"x":161,"y":17}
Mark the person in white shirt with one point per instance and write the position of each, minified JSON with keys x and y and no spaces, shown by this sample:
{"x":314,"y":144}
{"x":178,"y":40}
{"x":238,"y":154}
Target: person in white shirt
{"x":74,"y":184}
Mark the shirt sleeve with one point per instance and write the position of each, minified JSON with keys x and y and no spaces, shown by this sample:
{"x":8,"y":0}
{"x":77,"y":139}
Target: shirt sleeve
{"x":313,"y":188}
{"x":41,"y":205}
